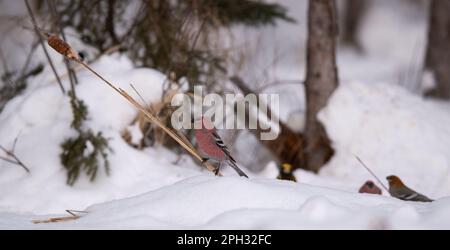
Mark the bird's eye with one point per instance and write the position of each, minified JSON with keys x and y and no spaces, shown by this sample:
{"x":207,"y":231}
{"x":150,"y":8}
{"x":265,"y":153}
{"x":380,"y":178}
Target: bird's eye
{"x":82,"y":55}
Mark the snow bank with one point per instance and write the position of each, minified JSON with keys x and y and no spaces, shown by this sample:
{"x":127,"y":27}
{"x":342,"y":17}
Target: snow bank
{"x":237,"y":203}
{"x":393,"y":132}
{"x":42,"y":116}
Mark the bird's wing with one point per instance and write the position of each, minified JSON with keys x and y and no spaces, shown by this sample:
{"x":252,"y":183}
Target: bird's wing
{"x":408,"y":194}
{"x":219,"y":142}
{"x":232,"y":162}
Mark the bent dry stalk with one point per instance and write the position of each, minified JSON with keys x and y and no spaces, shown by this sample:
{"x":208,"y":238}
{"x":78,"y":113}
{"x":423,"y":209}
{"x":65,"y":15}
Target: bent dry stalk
{"x":372,"y":173}
{"x":66,"y":50}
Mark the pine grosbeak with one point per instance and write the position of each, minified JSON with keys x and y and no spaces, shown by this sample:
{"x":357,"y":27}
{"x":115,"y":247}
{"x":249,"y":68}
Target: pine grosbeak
{"x":400,"y":191}
{"x":286,"y":172}
{"x":370,"y":188}
{"x":210,"y":143}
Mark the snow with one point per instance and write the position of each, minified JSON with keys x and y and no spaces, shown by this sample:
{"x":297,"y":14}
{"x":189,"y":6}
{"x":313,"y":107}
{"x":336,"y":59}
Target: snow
{"x":135,"y":133}
{"x":389,"y":126}
{"x":146,"y":190}
{"x":42,"y":117}
{"x":393,"y":132}
{"x":206,"y":202}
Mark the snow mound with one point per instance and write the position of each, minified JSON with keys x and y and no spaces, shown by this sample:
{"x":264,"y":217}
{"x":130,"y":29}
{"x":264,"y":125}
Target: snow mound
{"x":393,"y":132}
{"x":237,"y":203}
{"x":42,"y":117}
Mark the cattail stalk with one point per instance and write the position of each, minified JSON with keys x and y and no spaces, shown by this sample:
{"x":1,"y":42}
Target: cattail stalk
{"x":64,"y":49}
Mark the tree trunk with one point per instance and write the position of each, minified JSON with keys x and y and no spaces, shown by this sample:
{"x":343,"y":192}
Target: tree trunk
{"x":288,"y":146}
{"x":438,"y":51}
{"x":354,"y":11}
{"x":321,"y":79}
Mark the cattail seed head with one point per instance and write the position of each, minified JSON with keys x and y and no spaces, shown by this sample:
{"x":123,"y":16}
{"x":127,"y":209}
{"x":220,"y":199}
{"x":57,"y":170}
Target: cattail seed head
{"x":62,"y":47}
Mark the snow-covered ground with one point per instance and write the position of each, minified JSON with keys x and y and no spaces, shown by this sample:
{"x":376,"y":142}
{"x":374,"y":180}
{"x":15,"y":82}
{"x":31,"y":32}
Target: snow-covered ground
{"x":391,"y":128}
{"x":392,"y":131}
{"x":41,"y":118}
{"x":206,"y":202}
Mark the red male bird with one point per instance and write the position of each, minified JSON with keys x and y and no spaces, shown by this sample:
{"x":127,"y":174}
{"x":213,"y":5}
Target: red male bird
{"x":213,"y":147}
{"x":370,"y":188}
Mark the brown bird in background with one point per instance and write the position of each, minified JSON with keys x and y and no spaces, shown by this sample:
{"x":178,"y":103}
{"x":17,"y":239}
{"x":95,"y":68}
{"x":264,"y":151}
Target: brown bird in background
{"x":400,"y":191}
{"x":370,"y":188}
{"x":286,"y":172}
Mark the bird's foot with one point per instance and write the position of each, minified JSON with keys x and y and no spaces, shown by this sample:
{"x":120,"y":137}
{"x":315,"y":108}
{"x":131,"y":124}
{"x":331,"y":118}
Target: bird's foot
{"x":216,"y":171}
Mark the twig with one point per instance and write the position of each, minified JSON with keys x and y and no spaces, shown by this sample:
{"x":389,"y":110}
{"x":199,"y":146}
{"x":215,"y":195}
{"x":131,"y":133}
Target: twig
{"x":36,"y":29}
{"x":62,"y":219}
{"x":72,"y":212}
{"x":7,"y":160}
{"x":57,"y":219}
{"x":140,"y":96}
{"x":15,"y":141}
{"x":16,"y":160}
{"x":370,"y":171}
{"x":11,"y":154}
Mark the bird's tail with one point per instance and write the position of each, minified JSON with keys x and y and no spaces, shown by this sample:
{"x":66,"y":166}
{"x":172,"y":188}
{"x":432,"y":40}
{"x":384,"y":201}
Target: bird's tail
{"x":232,"y":164}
